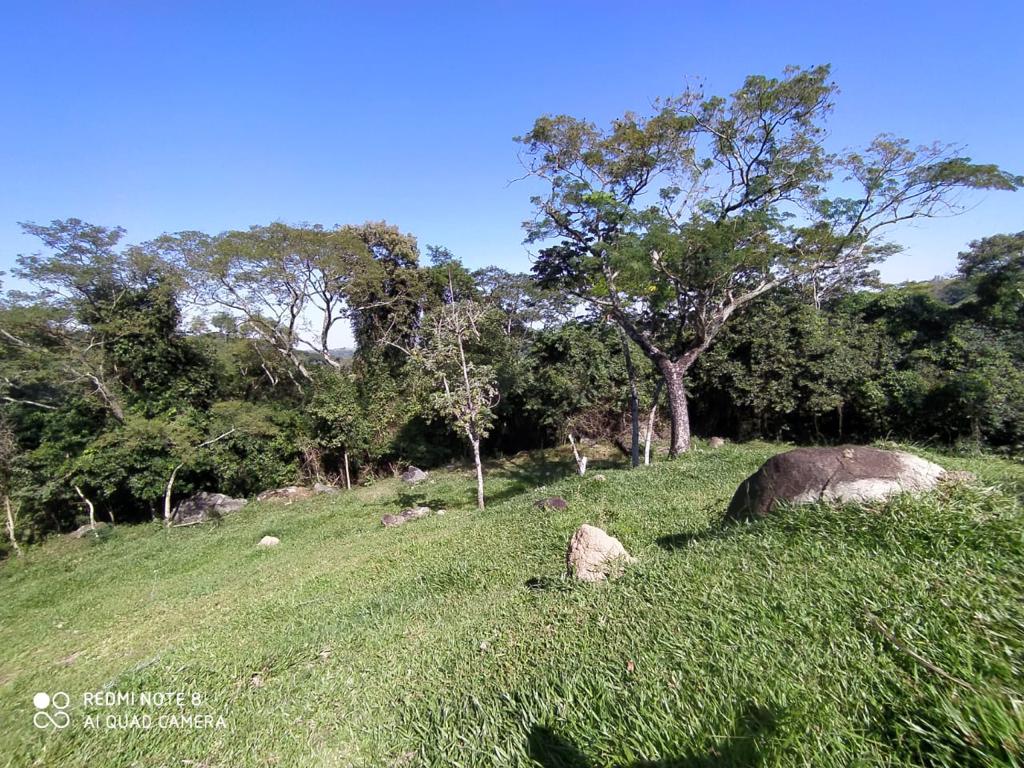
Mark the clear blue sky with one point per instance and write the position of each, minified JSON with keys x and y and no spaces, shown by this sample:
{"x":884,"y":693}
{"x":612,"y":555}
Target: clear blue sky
{"x":162,"y":116}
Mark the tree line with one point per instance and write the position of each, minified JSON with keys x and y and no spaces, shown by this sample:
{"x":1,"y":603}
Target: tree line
{"x":710,"y":264}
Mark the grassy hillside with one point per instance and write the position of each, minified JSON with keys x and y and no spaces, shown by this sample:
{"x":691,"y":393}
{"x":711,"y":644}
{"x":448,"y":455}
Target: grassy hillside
{"x":887,"y":635}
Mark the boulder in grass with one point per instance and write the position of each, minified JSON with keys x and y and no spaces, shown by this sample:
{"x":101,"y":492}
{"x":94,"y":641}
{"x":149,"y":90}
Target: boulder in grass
{"x":414,"y":475}
{"x":552,"y":502}
{"x":593,"y":555}
{"x":325,"y":488}
{"x":268,"y":541}
{"x":287,"y":495}
{"x":848,"y":473}
{"x":716,"y":442}
{"x":204,"y":506}
{"x":392,"y":521}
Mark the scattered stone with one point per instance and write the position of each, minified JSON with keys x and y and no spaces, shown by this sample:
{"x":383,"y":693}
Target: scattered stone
{"x":552,"y":502}
{"x":958,"y":477}
{"x":204,"y":506}
{"x":269,"y":541}
{"x":415,"y":513}
{"x":716,"y":442}
{"x":85,"y":530}
{"x":600,"y":478}
{"x":325,"y":488}
{"x":287,"y":495}
{"x":849,"y":473}
{"x":593,"y":555}
{"x":441,"y":512}
{"x":414,"y":475}
{"x":392,"y":521}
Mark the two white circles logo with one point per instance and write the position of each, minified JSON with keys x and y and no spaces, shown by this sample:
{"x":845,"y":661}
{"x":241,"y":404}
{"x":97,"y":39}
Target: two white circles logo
{"x":50,"y":710}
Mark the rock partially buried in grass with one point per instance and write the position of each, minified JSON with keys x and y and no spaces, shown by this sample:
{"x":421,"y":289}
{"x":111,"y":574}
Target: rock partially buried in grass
{"x":716,"y":442}
{"x":552,"y":502}
{"x":593,"y":555}
{"x":415,"y":513}
{"x":287,"y":495}
{"x":325,"y":488}
{"x":86,"y":529}
{"x":849,"y":473}
{"x":392,"y":521}
{"x":269,"y":541}
{"x":414,"y":475}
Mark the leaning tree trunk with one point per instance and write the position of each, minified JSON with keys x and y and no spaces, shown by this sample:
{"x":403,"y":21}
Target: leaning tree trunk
{"x":479,"y":473}
{"x":679,"y":410}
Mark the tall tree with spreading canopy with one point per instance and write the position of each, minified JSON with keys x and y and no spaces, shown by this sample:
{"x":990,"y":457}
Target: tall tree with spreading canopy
{"x":669,"y":224}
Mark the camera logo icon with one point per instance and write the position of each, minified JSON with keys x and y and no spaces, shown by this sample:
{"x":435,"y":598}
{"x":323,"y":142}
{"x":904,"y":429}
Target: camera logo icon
{"x":50,"y":710}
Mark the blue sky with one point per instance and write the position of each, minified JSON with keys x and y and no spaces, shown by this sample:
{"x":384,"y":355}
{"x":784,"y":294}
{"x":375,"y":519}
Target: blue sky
{"x":163,"y":116}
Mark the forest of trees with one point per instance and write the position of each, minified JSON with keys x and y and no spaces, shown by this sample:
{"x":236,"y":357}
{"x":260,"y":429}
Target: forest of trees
{"x":708,"y":298}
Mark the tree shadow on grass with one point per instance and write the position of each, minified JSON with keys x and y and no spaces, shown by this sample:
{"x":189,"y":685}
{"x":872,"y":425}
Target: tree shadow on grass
{"x":742,"y":748}
{"x":674,"y":541}
{"x":536,"y":471}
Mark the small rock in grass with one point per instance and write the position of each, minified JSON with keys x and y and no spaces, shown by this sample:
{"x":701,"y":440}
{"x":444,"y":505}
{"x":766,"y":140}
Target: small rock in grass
{"x":392,"y":521}
{"x":600,"y":478}
{"x":269,"y":541}
{"x":552,"y":502}
{"x":441,"y":512}
{"x":415,"y":513}
{"x":716,"y":442}
{"x":324,"y":488}
{"x":593,"y":555}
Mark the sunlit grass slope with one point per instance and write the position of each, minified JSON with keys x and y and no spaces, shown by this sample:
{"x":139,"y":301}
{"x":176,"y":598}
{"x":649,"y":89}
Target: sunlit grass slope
{"x":887,"y":635}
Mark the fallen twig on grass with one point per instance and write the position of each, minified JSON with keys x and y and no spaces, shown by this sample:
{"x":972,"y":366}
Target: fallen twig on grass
{"x":901,"y":646}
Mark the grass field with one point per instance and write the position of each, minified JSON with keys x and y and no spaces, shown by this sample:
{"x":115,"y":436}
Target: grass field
{"x":886,"y":635}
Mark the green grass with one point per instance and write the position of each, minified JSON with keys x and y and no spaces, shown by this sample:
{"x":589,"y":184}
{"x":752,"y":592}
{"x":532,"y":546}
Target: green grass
{"x":885,"y":635}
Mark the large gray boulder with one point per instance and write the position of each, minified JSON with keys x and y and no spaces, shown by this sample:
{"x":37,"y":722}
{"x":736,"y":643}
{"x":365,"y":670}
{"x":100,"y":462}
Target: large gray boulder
{"x":414,"y":475}
{"x":205,"y":506}
{"x":593,"y":555}
{"x":848,"y":473}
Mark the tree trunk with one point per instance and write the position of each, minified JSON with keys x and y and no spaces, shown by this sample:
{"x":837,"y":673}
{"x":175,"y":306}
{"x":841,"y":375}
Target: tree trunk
{"x":650,"y":421}
{"x":90,"y":507}
{"x":581,"y":461}
{"x":167,"y":495}
{"x":10,"y":525}
{"x":634,"y":403}
{"x":479,"y":473}
{"x":679,"y":410}
{"x":348,"y":481}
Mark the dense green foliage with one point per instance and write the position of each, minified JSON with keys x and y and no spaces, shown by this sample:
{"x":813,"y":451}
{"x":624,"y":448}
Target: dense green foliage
{"x":111,"y":378}
{"x":455,"y":640}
